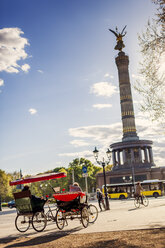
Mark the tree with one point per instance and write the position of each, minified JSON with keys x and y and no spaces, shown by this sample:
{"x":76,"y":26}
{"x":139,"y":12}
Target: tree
{"x":77,"y":165}
{"x":108,"y":167}
{"x":44,"y":188}
{"x":5,"y":189}
{"x":152,"y":68}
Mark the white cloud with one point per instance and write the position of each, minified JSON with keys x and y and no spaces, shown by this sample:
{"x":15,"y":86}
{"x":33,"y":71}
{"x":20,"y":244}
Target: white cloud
{"x":104,"y":135}
{"x":1,"y":82}
{"x":32,"y":111}
{"x":137,"y":102}
{"x":59,"y":163}
{"x":107,"y":75}
{"x":12,"y":49}
{"x":77,"y":154}
{"x":40,"y":71}
{"x":25,"y":67}
{"x":101,"y":106}
{"x":78,"y":143}
{"x":98,"y":135}
{"x":103,"y":89}
{"x":138,"y":77}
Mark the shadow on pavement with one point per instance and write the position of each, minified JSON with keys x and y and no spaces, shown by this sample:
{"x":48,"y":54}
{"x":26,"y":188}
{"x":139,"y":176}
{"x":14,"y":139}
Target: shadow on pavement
{"x":120,"y":239}
{"x":132,"y":209}
{"x":8,"y":239}
{"x":34,"y":241}
{"x":7,"y":212}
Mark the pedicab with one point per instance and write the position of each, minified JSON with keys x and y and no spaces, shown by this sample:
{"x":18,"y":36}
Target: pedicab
{"x":28,"y":212}
{"x":71,"y":206}
{"x":74,"y":205}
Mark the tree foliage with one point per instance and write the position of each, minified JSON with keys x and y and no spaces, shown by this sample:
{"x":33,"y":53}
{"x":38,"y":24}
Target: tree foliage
{"x":76,"y":165}
{"x":152,"y":68}
{"x":44,"y":188}
{"x":108,"y":167}
{"x":5,"y":189}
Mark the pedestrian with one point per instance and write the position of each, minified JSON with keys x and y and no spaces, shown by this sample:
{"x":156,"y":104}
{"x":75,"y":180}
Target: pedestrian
{"x":100,"y":198}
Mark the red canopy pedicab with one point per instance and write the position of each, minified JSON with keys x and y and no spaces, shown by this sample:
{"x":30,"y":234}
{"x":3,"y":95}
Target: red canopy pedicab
{"x":27,"y":212}
{"x":74,"y":205}
{"x":71,"y":205}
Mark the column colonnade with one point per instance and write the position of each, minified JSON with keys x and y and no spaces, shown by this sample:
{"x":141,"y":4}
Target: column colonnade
{"x":120,"y":156}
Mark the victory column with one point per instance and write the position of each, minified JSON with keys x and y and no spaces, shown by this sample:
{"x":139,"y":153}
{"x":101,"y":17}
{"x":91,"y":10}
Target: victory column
{"x":135,"y":153}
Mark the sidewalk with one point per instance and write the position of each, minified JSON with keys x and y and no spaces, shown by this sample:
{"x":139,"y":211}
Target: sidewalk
{"x":122,"y":216}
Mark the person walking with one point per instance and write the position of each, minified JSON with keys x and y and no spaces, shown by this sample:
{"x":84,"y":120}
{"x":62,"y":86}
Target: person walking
{"x":100,"y":198}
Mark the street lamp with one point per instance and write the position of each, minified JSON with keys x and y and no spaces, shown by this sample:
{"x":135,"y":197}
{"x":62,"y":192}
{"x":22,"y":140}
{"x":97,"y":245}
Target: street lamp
{"x":131,"y":179}
{"x":103,"y":163}
{"x":127,"y":179}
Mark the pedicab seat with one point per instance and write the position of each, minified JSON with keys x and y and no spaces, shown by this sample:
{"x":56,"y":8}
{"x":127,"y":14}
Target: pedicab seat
{"x":70,"y":199}
{"x":23,"y":202}
{"x":26,"y":204}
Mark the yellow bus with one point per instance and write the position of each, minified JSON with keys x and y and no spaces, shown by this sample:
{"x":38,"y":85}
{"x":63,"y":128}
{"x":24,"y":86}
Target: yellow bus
{"x":119,"y":191}
{"x":153,"y":187}
{"x":122,"y":191}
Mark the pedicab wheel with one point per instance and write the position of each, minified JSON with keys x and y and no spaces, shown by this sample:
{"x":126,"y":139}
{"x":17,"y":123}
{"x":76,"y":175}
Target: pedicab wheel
{"x":22,"y":223}
{"x":93,"y":213}
{"x":145,"y":201}
{"x":60,"y":220}
{"x":39,"y":221}
{"x":84,"y":217}
{"x":137,"y":202}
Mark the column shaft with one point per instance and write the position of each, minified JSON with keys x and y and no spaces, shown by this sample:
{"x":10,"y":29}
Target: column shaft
{"x":113,"y":158}
{"x":132,"y":156}
{"x":146,"y":155}
{"x":150,"y":155}
{"x":118,"y":157}
{"x":140,"y":154}
{"x":124,"y":156}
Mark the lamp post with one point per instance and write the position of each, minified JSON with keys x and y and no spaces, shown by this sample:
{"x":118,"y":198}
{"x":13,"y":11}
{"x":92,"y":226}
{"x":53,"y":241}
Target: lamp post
{"x":133,"y":177}
{"x":104,"y":163}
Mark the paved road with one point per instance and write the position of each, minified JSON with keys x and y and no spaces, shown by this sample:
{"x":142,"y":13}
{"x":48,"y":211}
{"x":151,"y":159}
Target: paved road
{"x":122,"y":216}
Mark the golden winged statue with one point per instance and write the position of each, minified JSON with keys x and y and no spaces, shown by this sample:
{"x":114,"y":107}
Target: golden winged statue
{"x":120,"y":45}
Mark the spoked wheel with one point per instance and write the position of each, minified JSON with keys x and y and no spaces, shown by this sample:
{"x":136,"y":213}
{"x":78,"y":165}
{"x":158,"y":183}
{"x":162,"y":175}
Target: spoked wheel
{"x":145,"y":201}
{"x":60,"y":220}
{"x":93,"y":213}
{"x":22,"y":223}
{"x":137,"y":202}
{"x":39,"y":221}
{"x":85,"y":217}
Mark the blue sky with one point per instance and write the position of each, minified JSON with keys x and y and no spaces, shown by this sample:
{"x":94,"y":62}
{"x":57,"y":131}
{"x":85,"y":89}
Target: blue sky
{"x":58,"y":80}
